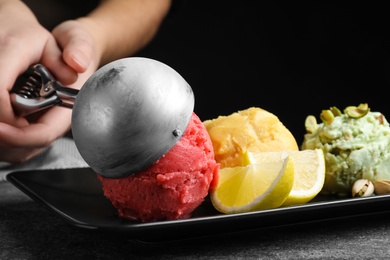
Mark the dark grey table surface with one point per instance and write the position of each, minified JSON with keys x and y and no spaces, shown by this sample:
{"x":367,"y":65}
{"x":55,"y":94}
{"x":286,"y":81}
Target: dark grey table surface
{"x":30,"y":231}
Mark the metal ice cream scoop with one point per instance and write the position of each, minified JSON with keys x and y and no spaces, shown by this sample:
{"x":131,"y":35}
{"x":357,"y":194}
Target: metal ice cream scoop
{"x":126,"y":116}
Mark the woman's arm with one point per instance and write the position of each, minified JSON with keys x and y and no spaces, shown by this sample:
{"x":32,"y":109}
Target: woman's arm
{"x":122,"y":27}
{"x":118,"y":28}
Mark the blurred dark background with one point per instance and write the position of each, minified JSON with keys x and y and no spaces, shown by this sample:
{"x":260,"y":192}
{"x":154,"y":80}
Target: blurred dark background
{"x":292,"y":59}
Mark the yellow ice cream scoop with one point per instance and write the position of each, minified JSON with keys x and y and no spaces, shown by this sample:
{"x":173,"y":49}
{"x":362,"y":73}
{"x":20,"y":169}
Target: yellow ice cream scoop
{"x":253,"y":129}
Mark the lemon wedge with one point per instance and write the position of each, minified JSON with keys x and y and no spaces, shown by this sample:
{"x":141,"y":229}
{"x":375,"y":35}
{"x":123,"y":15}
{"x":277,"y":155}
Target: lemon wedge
{"x":309,"y":177}
{"x":255,"y":186}
{"x":309,"y":170}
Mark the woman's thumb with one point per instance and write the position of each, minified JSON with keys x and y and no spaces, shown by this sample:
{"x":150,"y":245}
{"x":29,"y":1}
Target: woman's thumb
{"x":76,"y":44}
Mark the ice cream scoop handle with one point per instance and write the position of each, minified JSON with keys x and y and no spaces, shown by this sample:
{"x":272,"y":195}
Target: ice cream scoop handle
{"x":66,"y":95}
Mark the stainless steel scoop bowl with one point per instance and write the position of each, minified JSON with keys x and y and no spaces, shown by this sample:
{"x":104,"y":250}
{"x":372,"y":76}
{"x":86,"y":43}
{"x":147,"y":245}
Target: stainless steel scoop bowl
{"x":128,"y":114}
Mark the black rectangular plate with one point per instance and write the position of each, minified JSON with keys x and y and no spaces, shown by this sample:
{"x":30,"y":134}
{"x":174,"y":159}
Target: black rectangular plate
{"x":76,"y":196}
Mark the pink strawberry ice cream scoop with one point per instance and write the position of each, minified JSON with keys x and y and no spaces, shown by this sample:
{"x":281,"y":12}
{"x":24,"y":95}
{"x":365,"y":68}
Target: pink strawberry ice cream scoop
{"x":174,"y":186}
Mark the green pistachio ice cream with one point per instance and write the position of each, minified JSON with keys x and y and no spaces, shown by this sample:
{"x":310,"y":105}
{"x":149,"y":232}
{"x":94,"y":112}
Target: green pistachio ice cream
{"x":356,"y":145}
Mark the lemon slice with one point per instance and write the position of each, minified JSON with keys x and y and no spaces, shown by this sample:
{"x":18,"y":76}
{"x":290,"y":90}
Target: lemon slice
{"x":309,"y":170}
{"x":253,"y":187}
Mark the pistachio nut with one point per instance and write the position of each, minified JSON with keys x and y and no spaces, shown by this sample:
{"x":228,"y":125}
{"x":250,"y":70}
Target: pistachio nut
{"x":380,"y":118}
{"x":357,"y":112}
{"x":311,"y":124}
{"x":362,"y":188}
{"x":335,"y":111}
{"x":382,"y":187}
{"x":327,"y":116}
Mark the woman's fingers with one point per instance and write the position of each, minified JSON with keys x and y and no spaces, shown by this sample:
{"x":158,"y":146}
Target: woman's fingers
{"x":52,"y":58}
{"x":76,"y":44}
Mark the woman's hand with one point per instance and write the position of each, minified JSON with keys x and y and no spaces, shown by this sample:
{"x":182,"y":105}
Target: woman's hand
{"x":23,"y":41}
{"x":71,"y":52}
